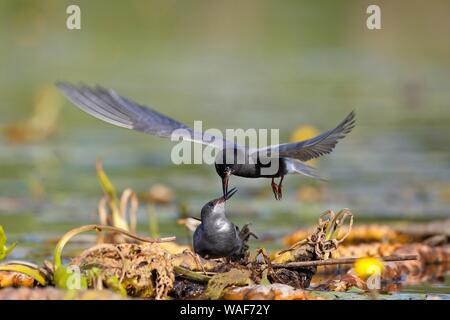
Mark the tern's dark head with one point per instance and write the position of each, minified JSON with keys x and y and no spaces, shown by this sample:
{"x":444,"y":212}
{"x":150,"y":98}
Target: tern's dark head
{"x":217,"y":205}
{"x":224,"y":171}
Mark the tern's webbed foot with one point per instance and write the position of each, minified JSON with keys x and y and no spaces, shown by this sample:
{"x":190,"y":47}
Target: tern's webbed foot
{"x":277,"y":189}
{"x":280,"y":192}
{"x":244,"y":235}
{"x":274,"y":189}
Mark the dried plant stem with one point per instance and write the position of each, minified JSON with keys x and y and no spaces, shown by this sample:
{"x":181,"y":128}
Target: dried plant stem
{"x":153,"y":221}
{"x":191,"y":274}
{"x":302,"y":264}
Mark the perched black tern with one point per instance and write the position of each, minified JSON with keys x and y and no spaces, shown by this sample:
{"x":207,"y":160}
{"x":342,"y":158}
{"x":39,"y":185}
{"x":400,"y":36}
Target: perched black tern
{"x":216,"y":236}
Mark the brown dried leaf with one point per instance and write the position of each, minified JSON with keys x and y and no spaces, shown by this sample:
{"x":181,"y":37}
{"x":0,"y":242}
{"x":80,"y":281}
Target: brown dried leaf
{"x":15,"y":279}
{"x":267,"y":292}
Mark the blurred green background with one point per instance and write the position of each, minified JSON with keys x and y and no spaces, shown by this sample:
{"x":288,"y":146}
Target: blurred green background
{"x":232,"y":64}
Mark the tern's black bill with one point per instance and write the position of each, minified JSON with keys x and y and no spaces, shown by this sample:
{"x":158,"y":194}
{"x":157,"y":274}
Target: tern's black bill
{"x":230,"y":193}
{"x":227,"y":196}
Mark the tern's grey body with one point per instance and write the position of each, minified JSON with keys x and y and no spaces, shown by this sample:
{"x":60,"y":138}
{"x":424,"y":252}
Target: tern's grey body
{"x":216,"y":236}
{"x":108,"y":106}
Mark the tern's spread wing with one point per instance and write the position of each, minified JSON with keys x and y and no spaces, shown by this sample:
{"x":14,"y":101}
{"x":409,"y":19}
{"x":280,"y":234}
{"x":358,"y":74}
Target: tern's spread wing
{"x":315,"y":147}
{"x":107,"y":105}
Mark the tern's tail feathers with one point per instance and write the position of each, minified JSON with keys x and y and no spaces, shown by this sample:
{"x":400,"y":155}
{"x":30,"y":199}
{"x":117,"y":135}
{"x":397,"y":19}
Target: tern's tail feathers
{"x":295,"y":166}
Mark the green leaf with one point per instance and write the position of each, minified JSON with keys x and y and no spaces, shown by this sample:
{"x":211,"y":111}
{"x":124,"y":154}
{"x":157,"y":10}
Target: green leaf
{"x":29,"y":271}
{"x":108,"y":188}
{"x":4,"y":251}
{"x":69,"y":278}
{"x":114,"y":284}
{"x":105,"y":183}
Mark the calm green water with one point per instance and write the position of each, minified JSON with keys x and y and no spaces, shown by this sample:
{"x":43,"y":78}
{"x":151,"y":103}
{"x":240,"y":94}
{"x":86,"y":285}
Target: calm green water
{"x":234,"y":65}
